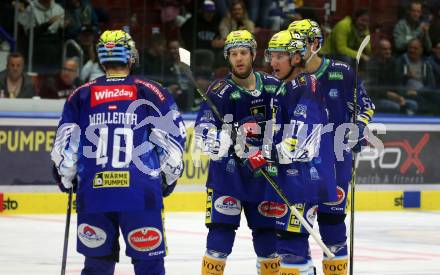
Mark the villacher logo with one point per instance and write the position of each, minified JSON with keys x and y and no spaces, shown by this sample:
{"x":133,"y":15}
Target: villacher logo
{"x":145,"y":238}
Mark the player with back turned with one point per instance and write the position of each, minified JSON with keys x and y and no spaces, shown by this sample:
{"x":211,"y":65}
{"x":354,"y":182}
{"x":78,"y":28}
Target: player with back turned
{"x":243,"y":99}
{"x":337,"y":82}
{"x":119,"y":144}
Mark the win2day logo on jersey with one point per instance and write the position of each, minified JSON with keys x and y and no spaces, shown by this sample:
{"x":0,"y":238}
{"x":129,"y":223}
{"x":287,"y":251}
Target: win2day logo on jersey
{"x":105,"y":94}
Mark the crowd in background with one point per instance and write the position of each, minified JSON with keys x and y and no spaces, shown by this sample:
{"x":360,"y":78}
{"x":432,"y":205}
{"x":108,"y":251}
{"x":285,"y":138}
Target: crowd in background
{"x":400,"y":67}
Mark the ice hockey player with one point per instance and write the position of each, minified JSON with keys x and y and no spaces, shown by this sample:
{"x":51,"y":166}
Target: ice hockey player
{"x":119,"y":145}
{"x":336,"y":80}
{"x":305,"y":160}
{"x":234,"y":183}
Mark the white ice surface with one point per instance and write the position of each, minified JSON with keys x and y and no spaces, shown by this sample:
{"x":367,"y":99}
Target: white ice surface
{"x":386,"y":243}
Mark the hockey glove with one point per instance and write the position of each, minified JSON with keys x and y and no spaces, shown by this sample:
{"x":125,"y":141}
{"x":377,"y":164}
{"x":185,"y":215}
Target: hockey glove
{"x":301,"y":149}
{"x":284,"y":150}
{"x":63,"y":184}
{"x":216,"y":144}
{"x":359,"y":141}
{"x":170,"y":175}
{"x":255,"y":161}
{"x":171,"y":161}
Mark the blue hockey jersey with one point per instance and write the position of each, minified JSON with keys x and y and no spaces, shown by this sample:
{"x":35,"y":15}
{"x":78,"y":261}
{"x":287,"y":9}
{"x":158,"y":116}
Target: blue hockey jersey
{"x":302,"y":114}
{"x":337,"y":83}
{"x":118,"y":136}
{"x":228,"y":175}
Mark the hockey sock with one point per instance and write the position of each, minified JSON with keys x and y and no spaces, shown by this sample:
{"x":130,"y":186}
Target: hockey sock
{"x":268,"y":265}
{"x":293,"y":244}
{"x":333,"y":232}
{"x":220,"y":239}
{"x":265,"y":241}
{"x":293,"y":265}
{"x":149,"y":267}
{"x":213,"y":263}
{"x":293,"y":249}
{"x":98,"y":265}
{"x":335,"y":266}
{"x":219,"y":245}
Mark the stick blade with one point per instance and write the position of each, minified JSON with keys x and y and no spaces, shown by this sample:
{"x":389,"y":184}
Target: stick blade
{"x":362,"y":47}
{"x":185,"y":56}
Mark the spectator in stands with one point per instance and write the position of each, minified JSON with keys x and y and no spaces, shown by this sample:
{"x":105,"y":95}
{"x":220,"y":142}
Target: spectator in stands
{"x":171,"y":18}
{"x":416,"y":73}
{"x":205,"y":30}
{"x":417,"y":78}
{"x":152,"y":58}
{"x":381,"y":82}
{"x":62,"y":85}
{"x":434,"y":61}
{"x":7,"y":16}
{"x":178,"y":78}
{"x":347,"y":35}
{"x":259,"y":12}
{"x":284,"y":12}
{"x":412,"y":27}
{"x":203,"y":79}
{"x":434,"y":29}
{"x":78,"y":13}
{"x":87,"y":40}
{"x":169,"y":11}
{"x":206,"y":42}
{"x":238,"y":20}
{"x":13,"y":82}
{"x":223,"y":7}
{"x":91,"y":68}
{"x":48,"y":18}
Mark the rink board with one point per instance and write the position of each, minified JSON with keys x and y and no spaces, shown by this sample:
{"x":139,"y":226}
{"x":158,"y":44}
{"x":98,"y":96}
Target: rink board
{"x":405,"y":162}
{"x":26,"y":140}
{"x":55,"y":203}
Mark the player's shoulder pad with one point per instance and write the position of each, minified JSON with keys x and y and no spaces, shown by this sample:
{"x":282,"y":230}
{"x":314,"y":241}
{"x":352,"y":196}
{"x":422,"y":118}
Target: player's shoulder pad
{"x":307,"y":95}
{"x":339,"y":64}
{"x":337,"y":69}
{"x":303,"y":79}
{"x":219,"y":87}
{"x":269,"y":79}
{"x":303,"y":84}
{"x":271,"y":84}
{"x":81,"y":88}
{"x":151,"y":86}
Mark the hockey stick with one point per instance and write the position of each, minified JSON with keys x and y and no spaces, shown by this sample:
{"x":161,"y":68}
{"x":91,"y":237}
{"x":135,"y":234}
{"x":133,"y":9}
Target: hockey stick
{"x":272,"y":183}
{"x":66,"y":232}
{"x":353,"y":168}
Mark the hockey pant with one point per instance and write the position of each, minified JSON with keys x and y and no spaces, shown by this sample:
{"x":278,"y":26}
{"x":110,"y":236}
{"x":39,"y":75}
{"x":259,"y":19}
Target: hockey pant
{"x":143,"y":233}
